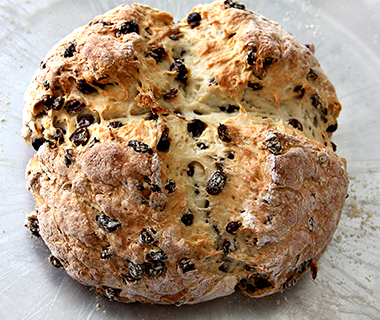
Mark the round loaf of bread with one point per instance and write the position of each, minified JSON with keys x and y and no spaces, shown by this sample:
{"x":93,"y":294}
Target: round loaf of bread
{"x":178,"y":161}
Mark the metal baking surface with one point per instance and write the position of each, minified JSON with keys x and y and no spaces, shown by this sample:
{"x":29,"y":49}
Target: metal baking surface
{"x":346,"y":38}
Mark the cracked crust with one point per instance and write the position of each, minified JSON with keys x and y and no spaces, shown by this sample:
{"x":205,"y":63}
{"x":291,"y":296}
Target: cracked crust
{"x":176,"y":162}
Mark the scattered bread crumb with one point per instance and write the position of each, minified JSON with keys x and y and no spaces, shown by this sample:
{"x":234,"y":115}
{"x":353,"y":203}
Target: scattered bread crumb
{"x":354,"y":212}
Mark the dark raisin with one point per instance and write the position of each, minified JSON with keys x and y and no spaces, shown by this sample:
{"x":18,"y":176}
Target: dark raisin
{"x":255,"y":85}
{"x":196,"y":127}
{"x":247,"y":287}
{"x":136,"y":271}
{"x":295,"y":124}
{"x":334,"y":146}
{"x":58,"y":103}
{"x":106,"y":254}
{"x":268,"y":61}
{"x":139,"y":146}
{"x":261,"y":283}
{"x":46,"y":84}
{"x":103,"y":23}
{"x":300,"y":91}
{"x":194,"y":19}
{"x":187,"y":219}
{"x":234,"y":4}
{"x":216,"y":182}
{"x":223,"y":267}
{"x":156,"y":269}
{"x":69,"y":50}
{"x":304,"y":266}
{"x":179,"y":67}
{"x":310,"y":224}
{"x":226,"y":247}
{"x":273,"y":145}
{"x":223,"y":133}
{"x":59,"y":136}
{"x":157,"y":53}
{"x":269,"y":219}
{"x":164,"y":142}
{"x":233,"y":226}
{"x":250,"y":288}
{"x":115,"y":124}
{"x":74,"y":106}
{"x":315,"y":101}
{"x":139,"y":186}
{"x":147,"y":180}
{"x":107,"y":223}
{"x":33,"y":226}
{"x":47,"y":101}
{"x":52,"y":144}
{"x":55,"y":262}
{"x":251,"y":58}
{"x":190,"y":170}
{"x":84,"y":87}
{"x":202,"y":146}
{"x":186,"y":265}
{"x":86,"y":121}
{"x":171,"y":94}
{"x":110,"y":293}
{"x":313,"y":270}
{"x":155,"y":188}
{"x":127,"y":27}
{"x":68,"y":157}
{"x":332,"y":127}
{"x":157,"y":255}
{"x":148,"y":235}
{"x":170,"y":186}
{"x":290,"y":282}
{"x":230,"y":155}
{"x":33,"y":183}
{"x":249,"y":267}
{"x":153,"y":116}
{"x":38,"y":142}
{"x":311,"y":75}
{"x":80,"y":136}
{"x":43,"y":65}
{"x":229,"y":109}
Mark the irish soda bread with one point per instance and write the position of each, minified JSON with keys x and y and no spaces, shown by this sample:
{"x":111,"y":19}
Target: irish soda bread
{"x":178,"y":161}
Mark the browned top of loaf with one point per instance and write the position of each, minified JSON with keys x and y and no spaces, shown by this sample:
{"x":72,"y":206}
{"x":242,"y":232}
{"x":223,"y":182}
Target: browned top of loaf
{"x":120,"y":75}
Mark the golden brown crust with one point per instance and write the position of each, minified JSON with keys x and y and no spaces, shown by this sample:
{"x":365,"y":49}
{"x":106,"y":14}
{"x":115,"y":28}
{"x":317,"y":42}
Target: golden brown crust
{"x":176,"y":162}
